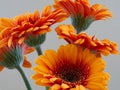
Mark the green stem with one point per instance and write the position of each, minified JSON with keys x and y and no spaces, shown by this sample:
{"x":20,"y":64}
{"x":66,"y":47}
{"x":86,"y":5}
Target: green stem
{"x":38,"y":49}
{"x":47,"y":88}
{"x":24,"y":77}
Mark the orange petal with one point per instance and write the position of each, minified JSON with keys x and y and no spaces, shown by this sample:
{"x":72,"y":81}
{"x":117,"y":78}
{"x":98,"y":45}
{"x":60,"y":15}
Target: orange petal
{"x":81,"y":87}
{"x":36,"y":76}
{"x":1,"y":68}
{"x":10,"y":41}
{"x":27,"y":49}
{"x":46,"y":11}
{"x":43,"y":82}
{"x":21,"y":40}
{"x":96,"y":86}
{"x":26,"y":63}
{"x":64,"y":86}
{"x":55,"y":87}
{"x":7,"y":22}
{"x":3,"y":42}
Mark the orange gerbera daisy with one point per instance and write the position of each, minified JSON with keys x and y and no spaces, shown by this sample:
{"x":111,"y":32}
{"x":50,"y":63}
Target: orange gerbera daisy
{"x":71,"y":68}
{"x":22,"y":26}
{"x":82,"y":13}
{"x":12,"y":56}
{"x":105,"y":46}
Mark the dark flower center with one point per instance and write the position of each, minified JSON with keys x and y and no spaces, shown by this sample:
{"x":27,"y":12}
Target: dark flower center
{"x":72,"y":73}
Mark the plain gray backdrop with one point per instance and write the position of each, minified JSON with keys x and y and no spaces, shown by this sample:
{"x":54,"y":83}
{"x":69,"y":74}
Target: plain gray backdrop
{"x":110,"y":28}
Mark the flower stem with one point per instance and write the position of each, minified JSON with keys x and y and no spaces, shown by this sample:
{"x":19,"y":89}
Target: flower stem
{"x":47,"y":88}
{"x":38,"y":49}
{"x":24,"y":77}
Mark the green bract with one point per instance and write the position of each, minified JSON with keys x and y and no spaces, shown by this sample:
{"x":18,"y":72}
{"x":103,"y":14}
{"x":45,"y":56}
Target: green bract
{"x":34,"y":41}
{"x":80,"y":22}
{"x":12,"y":57}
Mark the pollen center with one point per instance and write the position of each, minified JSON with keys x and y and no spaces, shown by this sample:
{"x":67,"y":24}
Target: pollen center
{"x":71,"y":73}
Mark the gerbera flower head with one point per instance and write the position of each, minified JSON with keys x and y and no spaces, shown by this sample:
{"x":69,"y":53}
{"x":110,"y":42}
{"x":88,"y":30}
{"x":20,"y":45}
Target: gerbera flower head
{"x":13,"y":56}
{"x":104,"y":46}
{"x":82,"y":13}
{"x":71,"y":68}
{"x":23,"y":26}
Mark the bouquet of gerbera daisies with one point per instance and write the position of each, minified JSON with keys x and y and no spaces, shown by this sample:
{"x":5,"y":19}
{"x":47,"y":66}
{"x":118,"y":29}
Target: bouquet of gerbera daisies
{"x":77,"y":65}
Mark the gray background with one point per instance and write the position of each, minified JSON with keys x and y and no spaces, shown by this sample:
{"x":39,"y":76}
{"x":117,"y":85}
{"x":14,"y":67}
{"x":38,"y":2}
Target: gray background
{"x":11,"y":79}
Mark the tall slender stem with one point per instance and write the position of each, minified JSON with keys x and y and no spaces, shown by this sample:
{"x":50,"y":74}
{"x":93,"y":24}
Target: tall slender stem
{"x":39,"y":52}
{"x":38,"y":49}
{"x":24,"y":77}
{"x":47,"y":88}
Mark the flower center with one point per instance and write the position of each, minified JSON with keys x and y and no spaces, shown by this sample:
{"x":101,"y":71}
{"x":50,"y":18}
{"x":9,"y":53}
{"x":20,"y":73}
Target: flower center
{"x":72,"y":73}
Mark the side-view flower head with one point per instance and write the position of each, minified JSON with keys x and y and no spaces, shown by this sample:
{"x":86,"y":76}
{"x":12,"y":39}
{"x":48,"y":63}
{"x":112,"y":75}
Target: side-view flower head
{"x":104,"y":46}
{"x":13,"y":56}
{"x":24,"y":25}
{"x":82,"y":13}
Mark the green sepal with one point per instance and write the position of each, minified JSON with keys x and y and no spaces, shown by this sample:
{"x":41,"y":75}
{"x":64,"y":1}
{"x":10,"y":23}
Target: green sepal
{"x":35,"y":40}
{"x":80,"y":22}
{"x":11,"y":57}
{"x":47,"y":88}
